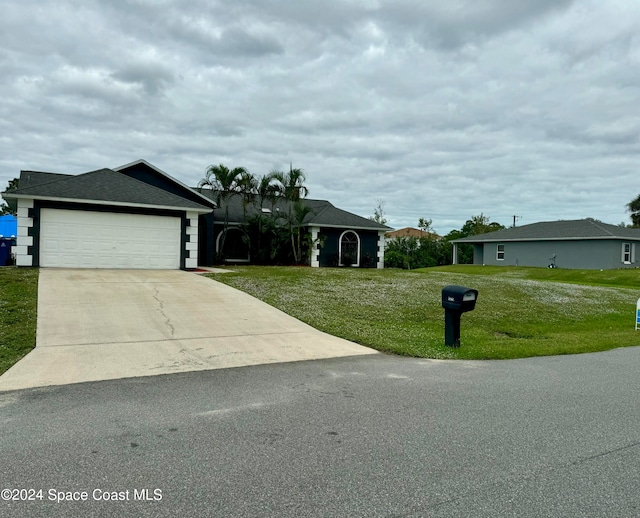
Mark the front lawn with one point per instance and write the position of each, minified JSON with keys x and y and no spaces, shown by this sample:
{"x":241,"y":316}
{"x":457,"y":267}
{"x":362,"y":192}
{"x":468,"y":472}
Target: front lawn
{"x":18,"y":304}
{"x":521,"y":312}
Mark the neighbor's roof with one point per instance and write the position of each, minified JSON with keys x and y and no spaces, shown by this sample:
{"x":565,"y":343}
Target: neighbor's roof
{"x":102,"y":187}
{"x":411,"y":232}
{"x":556,"y":231}
{"x":322,"y":213}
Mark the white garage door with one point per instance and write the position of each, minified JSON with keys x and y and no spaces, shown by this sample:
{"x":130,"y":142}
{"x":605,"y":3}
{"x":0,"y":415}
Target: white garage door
{"x":83,"y":239}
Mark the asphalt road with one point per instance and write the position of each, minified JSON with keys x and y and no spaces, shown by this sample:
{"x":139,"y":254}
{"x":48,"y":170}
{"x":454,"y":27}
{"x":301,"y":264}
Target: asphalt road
{"x":361,"y":436}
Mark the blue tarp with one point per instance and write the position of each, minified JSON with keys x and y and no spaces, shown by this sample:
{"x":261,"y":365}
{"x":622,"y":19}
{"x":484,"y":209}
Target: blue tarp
{"x":8,"y":226}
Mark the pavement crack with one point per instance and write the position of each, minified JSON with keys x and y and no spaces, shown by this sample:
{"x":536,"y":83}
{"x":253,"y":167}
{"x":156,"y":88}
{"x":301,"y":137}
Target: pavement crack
{"x":156,"y":296}
{"x":605,"y":453}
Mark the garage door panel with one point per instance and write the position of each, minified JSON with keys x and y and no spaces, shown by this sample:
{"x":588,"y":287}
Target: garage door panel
{"x":84,"y":239}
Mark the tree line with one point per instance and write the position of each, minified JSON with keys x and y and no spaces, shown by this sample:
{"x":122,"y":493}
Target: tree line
{"x":409,"y":252}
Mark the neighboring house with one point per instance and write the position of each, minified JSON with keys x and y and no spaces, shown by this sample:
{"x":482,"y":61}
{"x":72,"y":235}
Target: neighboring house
{"x":339,"y":237}
{"x":411,"y":232}
{"x":580,"y":244}
{"x":137,"y":216}
{"x":134,"y":216}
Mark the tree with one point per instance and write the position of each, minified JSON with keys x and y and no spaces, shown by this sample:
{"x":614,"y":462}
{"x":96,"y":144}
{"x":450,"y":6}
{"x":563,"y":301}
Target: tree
{"x":465,"y":251}
{"x":402,"y":252}
{"x":292,"y":189}
{"x":416,"y":252}
{"x":634,"y":207}
{"x":266,"y":191}
{"x":479,"y":225}
{"x":6,"y":208}
{"x":378,"y":214}
{"x":224,"y":182}
{"x":476,"y":225}
{"x":425,"y":225}
{"x":246,"y":186}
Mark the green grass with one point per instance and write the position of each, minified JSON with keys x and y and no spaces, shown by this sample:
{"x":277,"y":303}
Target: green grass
{"x":623,"y":278}
{"x":521,"y":312}
{"x":18,"y":304}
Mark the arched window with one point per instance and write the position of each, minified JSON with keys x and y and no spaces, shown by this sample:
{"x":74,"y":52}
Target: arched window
{"x":236,"y":247}
{"x":349,"y":248}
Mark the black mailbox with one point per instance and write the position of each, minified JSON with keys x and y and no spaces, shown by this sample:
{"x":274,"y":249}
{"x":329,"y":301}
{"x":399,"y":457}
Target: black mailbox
{"x":459,"y":298}
{"x":455,"y":301}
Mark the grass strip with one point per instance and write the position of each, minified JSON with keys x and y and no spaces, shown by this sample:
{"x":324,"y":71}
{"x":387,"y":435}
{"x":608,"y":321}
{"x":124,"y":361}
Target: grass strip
{"x":18,"y":305}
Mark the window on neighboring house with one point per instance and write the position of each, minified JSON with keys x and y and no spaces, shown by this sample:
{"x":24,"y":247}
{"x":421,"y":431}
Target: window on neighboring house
{"x":500,"y":253}
{"x":627,"y":253}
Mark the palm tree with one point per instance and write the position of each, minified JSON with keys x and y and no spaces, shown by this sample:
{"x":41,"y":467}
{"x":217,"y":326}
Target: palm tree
{"x":224,"y":183}
{"x":266,"y":191}
{"x":247,"y":185}
{"x":291,"y":188}
{"x":291,"y":183}
{"x":634,"y":207}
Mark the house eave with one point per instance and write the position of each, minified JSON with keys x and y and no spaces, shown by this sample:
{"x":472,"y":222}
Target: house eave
{"x":531,"y":239}
{"x":347,"y":227}
{"x":108,"y":203}
{"x":312,"y":224}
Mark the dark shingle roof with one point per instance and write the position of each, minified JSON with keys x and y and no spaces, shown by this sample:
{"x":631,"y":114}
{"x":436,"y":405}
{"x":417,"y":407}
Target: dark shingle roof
{"x":103,"y":185}
{"x":322,"y":213}
{"x":556,"y":230}
{"x":325,"y":214}
{"x":32,"y":178}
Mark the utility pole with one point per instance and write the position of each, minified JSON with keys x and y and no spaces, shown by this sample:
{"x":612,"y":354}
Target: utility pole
{"x":515,"y":218}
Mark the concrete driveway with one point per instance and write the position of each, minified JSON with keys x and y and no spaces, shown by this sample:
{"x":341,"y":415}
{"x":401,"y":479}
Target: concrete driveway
{"x":110,"y":324}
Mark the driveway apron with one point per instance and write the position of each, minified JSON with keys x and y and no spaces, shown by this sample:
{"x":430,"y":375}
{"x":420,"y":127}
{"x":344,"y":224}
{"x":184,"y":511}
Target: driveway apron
{"x":110,"y":324}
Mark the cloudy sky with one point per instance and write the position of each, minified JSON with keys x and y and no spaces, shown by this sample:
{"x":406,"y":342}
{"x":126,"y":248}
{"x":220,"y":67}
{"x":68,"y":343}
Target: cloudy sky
{"x":444,"y":109}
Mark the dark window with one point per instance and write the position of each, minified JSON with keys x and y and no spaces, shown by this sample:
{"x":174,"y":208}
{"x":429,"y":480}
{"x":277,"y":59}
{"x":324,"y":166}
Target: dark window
{"x":236,"y":246}
{"x":349,"y":244}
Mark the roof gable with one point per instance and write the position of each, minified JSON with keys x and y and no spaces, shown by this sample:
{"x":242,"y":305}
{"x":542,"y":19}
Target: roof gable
{"x":557,"y":230}
{"x":152,"y":175}
{"x":103,"y":186}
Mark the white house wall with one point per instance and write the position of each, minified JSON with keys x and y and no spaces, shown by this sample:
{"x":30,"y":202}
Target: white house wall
{"x":381,"y":245}
{"x":24,"y":240}
{"x":315,"y":247}
{"x":191,"y":244}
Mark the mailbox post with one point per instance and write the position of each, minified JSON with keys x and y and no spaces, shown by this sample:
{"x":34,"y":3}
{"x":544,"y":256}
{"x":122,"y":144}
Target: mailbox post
{"x":455,"y":301}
